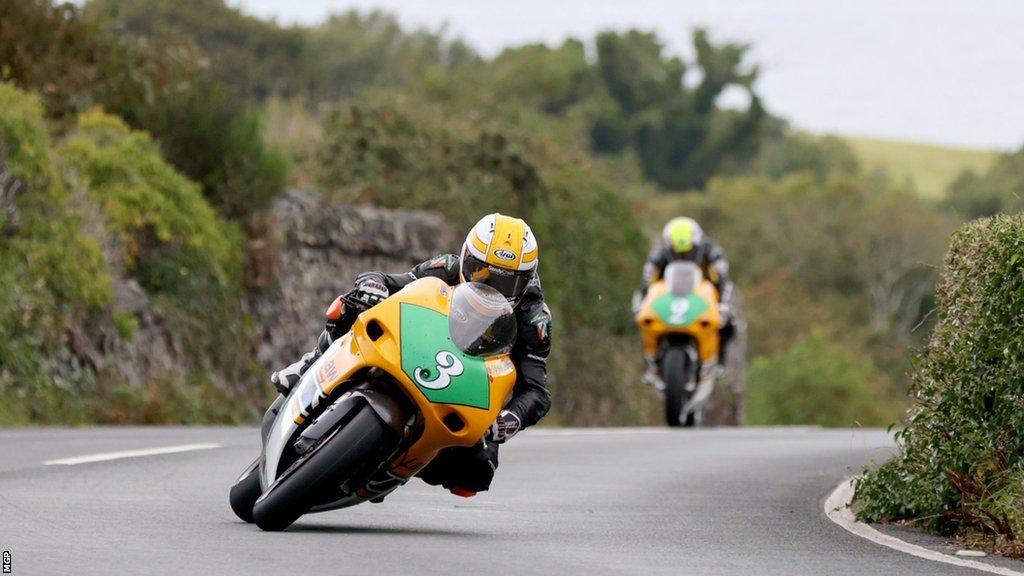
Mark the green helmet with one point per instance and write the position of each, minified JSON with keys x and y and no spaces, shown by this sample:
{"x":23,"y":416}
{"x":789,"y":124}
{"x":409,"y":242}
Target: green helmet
{"x":684,"y":238}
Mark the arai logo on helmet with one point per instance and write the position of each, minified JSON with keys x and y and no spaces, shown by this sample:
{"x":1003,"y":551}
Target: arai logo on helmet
{"x":504,"y":254}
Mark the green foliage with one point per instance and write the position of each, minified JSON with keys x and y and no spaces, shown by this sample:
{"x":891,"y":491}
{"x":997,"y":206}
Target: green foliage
{"x":51,"y":275}
{"x":961,"y":457}
{"x":681,"y":138}
{"x":174,"y":241}
{"x":259,"y":58}
{"x":154,"y":84}
{"x":351,"y":51}
{"x":56,"y":285}
{"x":853,"y":240}
{"x":206,"y":134}
{"x":633,"y":97}
{"x":1000,"y":189}
{"x":24,"y":137}
{"x":254,"y":56}
{"x":550,"y":80}
{"x":819,"y":381}
{"x":75,"y":63}
{"x":784,"y":153}
{"x":393,"y":157}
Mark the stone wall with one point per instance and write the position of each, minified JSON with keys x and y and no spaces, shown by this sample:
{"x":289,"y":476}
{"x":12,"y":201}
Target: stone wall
{"x":320,"y":249}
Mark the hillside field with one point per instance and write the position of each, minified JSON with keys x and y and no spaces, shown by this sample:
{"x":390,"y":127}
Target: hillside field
{"x":931,"y":167}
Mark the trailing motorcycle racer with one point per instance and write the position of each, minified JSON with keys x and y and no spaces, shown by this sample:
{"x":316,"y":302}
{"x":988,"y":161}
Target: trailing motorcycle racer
{"x":682,"y":239}
{"x":499,"y":251}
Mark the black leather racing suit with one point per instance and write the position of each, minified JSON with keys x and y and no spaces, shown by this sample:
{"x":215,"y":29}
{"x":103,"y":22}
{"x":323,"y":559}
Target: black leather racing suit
{"x":711,"y":260}
{"x":473,"y":468}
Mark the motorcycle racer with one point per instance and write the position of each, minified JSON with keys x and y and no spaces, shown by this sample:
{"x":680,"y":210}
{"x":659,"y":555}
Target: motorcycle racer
{"x":499,"y":251}
{"x":683,"y":239}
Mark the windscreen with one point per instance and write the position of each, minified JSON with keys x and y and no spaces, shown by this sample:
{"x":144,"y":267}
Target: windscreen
{"x":481,"y":321}
{"x":682,"y":278}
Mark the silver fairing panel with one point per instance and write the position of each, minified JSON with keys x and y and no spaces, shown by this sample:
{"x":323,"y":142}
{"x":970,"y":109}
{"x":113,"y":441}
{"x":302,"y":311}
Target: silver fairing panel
{"x":308,"y":395}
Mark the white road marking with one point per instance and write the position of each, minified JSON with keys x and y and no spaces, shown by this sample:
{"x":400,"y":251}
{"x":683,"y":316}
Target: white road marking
{"x":837,"y":508}
{"x":104,"y":456}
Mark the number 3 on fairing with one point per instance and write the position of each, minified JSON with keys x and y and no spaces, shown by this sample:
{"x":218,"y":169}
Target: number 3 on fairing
{"x":448,"y":366}
{"x":678,"y":311}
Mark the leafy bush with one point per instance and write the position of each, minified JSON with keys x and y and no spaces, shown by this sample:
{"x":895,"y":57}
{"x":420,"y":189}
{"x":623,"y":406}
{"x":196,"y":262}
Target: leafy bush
{"x":57,"y":306}
{"x":819,"y":381}
{"x":51,"y":274}
{"x":157,"y":84}
{"x":216,"y":141}
{"x":961,"y":456}
{"x":174,"y":241}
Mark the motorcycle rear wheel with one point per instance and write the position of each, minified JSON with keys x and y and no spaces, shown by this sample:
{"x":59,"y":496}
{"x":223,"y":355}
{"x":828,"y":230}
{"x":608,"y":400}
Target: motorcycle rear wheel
{"x":330,"y":464}
{"x":675,"y":371}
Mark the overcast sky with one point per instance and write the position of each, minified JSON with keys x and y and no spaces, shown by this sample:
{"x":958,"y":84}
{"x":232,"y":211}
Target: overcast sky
{"x":923,"y":70}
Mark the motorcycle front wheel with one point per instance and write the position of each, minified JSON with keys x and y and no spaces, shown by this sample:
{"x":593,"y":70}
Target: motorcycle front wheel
{"x":676,"y":372}
{"x":245,"y":491}
{"x":331,"y":463}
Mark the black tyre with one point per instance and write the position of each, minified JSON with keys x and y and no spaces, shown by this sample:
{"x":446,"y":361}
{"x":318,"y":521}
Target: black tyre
{"x":675,"y":371}
{"x":332,"y":462}
{"x":691,"y":420}
{"x":245,"y":491}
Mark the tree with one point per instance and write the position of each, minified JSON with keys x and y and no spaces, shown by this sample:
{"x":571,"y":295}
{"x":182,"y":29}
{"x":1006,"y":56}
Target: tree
{"x":679,"y":134}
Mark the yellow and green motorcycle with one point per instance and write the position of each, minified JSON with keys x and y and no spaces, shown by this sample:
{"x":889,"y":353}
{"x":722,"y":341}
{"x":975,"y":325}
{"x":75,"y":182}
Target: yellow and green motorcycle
{"x":424,"y":370}
{"x":679,"y":324}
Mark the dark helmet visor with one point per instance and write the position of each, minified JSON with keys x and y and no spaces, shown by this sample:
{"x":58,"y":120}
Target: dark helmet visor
{"x":511,"y":283}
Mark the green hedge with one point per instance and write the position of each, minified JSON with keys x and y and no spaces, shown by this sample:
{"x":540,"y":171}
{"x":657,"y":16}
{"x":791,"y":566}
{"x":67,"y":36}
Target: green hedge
{"x":961,"y":458}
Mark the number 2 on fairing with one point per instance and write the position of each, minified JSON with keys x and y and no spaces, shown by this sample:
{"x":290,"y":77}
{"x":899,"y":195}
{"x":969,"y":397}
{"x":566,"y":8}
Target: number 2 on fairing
{"x":678,"y":310}
{"x":448,"y":366}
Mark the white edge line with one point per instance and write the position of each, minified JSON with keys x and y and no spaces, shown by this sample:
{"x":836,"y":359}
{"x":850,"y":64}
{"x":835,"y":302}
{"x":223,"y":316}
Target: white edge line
{"x":104,"y":456}
{"x":837,"y":508}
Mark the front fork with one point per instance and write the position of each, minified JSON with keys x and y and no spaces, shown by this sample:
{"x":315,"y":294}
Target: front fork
{"x":709,"y":373}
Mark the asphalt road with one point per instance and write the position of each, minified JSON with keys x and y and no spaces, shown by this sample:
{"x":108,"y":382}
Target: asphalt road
{"x":727,"y":501}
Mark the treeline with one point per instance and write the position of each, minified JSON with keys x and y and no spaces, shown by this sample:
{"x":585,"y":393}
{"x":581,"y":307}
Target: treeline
{"x":595,"y":147}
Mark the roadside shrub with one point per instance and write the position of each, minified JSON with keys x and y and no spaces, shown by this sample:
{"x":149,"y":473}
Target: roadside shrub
{"x":51,"y":274}
{"x":961,"y":456}
{"x":216,"y":140}
{"x":818,"y":381}
{"x":174,"y":242}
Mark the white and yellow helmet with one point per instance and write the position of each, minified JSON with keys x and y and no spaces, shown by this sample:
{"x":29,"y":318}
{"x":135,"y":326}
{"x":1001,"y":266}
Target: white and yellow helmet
{"x":500,"y":251}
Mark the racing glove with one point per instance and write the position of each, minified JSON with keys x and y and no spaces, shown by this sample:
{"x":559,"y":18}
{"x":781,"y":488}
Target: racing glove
{"x":505,"y":427}
{"x":369,"y":290}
